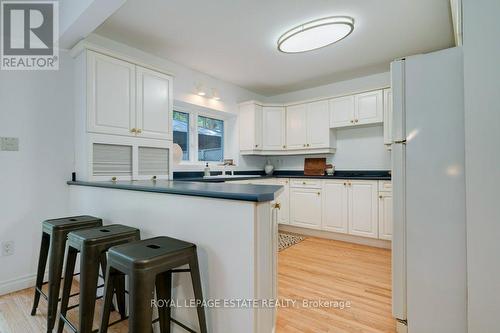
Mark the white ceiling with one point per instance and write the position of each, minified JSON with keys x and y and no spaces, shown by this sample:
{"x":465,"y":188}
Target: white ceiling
{"x":235,"y":40}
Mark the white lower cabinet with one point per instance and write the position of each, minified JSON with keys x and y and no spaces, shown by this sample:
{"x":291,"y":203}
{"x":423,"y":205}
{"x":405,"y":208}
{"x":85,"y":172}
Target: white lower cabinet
{"x":335,"y":206}
{"x":284,"y":201}
{"x":363,"y":208}
{"x":385,"y":215}
{"x":305,"y":207}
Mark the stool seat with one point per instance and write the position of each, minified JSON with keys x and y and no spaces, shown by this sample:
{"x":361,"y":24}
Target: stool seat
{"x":104,"y":234}
{"x":92,"y":244}
{"x":150,"y":252}
{"x":70,"y":223}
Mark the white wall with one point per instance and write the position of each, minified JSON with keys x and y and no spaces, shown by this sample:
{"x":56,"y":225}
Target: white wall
{"x":36,"y":107}
{"x":185,"y":81}
{"x":482,"y":148}
{"x":360,"y":148}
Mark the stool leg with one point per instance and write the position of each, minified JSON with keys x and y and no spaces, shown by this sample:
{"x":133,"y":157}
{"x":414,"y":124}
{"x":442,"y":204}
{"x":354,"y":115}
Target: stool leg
{"x":198,"y":293}
{"x":42,"y":263}
{"x":120,"y":294}
{"x":141,"y":294}
{"x":89,"y":274}
{"x":58,"y":245}
{"x":108,"y":298}
{"x":68,"y":280}
{"x":164,"y":292}
{"x":103,"y":262}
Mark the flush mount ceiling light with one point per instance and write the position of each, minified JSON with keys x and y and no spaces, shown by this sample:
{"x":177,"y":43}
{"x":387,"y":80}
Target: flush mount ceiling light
{"x":316,"y":34}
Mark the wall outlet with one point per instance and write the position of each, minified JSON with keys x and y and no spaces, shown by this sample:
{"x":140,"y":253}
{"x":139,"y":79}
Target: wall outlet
{"x":7,"y":248}
{"x":9,"y":144}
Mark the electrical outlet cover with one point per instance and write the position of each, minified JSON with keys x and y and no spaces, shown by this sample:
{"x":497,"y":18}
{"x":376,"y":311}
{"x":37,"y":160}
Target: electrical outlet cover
{"x":7,"y":248}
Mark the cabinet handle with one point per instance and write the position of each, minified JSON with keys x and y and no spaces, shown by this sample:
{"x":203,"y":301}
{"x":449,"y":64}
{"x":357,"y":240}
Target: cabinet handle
{"x":277,"y":205}
{"x":133,"y":130}
{"x":380,"y":196}
{"x":355,"y":120}
{"x":319,"y":193}
{"x":284,"y":146}
{"x":304,"y":145}
{"x":345,"y":183}
{"x":138,"y":131}
{"x":113,"y":179}
{"x":153,"y":178}
{"x":303,"y":183}
{"x":352,"y":121}
{"x":308,"y":145}
{"x":256,"y":146}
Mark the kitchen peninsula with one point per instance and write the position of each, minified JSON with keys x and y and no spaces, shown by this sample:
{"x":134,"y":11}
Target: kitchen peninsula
{"x":237,"y":249}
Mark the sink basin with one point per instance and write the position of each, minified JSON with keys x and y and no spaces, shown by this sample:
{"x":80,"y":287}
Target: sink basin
{"x":231,"y":176}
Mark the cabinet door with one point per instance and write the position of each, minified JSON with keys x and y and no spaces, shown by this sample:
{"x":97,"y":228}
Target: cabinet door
{"x":284,"y":200}
{"x":387,"y":116}
{"x":335,"y":205}
{"x":368,"y":108}
{"x":363,"y":208}
{"x":274,"y":122}
{"x":318,"y":125}
{"x":305,"y":207}
{"x":154,"y":104}
{"x":342,"y":111}
{"x":385,"y":215}
{"x":111,"y":95}
{"x":296,"y":126}
{"x":250,"y":126}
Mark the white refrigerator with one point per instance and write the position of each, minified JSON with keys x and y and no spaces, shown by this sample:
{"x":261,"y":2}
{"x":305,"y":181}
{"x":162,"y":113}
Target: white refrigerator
{"x":429,"y":240}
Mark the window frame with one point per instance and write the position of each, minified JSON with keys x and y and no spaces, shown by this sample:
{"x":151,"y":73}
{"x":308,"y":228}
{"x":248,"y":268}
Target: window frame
{"x":193,"y":133}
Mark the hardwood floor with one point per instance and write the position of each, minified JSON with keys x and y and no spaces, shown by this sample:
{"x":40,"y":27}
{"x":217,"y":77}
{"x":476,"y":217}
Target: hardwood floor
{"x":332,"y":270}
{"x":315,"y":269}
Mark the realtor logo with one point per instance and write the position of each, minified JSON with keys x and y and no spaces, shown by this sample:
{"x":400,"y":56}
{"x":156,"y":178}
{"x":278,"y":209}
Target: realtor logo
{"x":29,"y":31}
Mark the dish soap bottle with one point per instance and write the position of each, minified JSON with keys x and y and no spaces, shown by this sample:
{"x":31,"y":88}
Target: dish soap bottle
{"x":206,"y":171}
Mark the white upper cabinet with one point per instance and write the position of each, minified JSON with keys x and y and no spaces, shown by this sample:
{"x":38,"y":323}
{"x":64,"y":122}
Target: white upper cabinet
{"x":387,"y":116}
{"x":368,"y":107}
{"x":318,"y":129}
{"x":250,"y":124}
{"x":154,"y":104}
{"x":111,"y":95}
{"x":274,"y":123}
{"x":335,"y":206}
{"x":342,"y":111}
{"x":359,"y":109}
{"x":363,"y":208}
{"x":296,"y":126}
{"x":126,"y":99}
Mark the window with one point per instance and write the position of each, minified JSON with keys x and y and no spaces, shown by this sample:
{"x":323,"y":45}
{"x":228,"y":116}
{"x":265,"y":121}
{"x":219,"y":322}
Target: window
{"x":201,"y":143}
{"x":210,"y":139}
{"x":181,"y":132}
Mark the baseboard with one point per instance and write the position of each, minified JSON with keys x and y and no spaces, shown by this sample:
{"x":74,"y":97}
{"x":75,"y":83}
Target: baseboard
{"x":336,"y":236}
{"x":10,"y":286}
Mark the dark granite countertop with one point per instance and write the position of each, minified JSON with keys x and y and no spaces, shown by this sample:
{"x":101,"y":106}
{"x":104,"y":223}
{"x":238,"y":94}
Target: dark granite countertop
{"x":341,"y":174}
{"x":256,"y":193}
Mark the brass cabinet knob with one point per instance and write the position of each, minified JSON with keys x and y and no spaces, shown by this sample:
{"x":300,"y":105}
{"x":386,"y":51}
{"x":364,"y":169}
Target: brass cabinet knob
{"x":138,"y":130}
{"x":113,"y":179}
{"x":319,"y":193}
{"x":380,"y":196}
{"x":345,"y":183}
{"x":153,"y":178}
{"x":352,"y":121}
{"x":256,"y":146}
{"x":284,"y":146}
{"x":277,"y":205}
{"x":308,"y":145}
{"x":355,"y":120}
{"x":133,"y":130}
{"x":303,"y":183}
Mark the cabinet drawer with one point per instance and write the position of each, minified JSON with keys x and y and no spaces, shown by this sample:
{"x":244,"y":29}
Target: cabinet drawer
{"x":384,"y":185}
{"x":306,"y":183}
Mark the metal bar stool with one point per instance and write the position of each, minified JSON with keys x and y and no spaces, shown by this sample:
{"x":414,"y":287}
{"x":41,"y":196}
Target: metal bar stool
{"x":148,"y":263}
{"x":92,"y":244}
{"x":54,"y":233}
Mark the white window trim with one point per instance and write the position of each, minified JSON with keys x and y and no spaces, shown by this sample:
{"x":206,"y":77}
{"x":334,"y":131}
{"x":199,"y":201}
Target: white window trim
{"x":193,"y":134}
